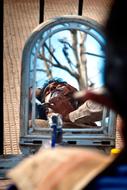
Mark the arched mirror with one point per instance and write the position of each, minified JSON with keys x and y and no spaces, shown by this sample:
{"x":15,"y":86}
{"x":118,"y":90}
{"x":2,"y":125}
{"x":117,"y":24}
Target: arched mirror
{"x":69,"y":49}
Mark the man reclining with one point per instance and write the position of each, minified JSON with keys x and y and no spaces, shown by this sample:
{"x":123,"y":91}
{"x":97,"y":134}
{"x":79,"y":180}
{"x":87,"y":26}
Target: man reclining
{"x":57,"y":96}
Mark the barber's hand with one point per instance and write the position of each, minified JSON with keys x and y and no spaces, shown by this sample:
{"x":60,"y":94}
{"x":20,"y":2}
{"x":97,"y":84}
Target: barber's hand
{"x":61,"y":105}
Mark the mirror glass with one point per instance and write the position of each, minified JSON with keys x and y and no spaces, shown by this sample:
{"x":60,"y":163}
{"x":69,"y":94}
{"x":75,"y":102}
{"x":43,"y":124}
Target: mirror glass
{"x":71,"y":51}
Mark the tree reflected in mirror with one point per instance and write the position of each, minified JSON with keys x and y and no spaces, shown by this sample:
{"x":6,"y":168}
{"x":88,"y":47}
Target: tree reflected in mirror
{"x":77,"y":57}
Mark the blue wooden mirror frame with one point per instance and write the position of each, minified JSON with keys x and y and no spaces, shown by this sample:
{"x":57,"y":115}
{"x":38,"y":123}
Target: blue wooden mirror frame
{"x":31,"y":139}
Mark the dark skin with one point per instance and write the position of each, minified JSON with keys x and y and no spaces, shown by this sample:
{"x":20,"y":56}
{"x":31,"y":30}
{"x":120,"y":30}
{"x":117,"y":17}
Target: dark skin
{"x":56,"y":103}
{"x":63,"y":100}
{"x":60,"y":102}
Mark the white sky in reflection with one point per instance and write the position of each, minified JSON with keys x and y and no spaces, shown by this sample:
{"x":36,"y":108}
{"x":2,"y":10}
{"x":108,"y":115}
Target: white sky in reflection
{"x":94,"y":64}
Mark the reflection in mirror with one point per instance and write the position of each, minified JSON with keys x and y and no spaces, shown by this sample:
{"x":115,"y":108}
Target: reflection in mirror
{"x":72,"y":57}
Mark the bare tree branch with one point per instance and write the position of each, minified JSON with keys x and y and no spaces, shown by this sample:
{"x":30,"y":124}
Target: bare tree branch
{"x":58,"y":66}
{"x":47,"y":66}
{"x":83,"y":66}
